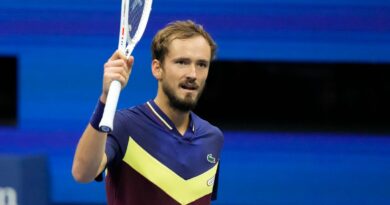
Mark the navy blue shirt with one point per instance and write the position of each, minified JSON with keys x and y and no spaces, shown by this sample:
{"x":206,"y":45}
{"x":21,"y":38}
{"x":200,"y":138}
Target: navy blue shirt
{"x":150,"y":162}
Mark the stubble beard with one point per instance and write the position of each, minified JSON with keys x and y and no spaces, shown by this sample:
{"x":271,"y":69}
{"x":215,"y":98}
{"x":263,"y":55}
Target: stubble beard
{"x":184,"y":105}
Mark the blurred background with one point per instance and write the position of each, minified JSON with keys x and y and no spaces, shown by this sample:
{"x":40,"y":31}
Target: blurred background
{"x":300,"y":88}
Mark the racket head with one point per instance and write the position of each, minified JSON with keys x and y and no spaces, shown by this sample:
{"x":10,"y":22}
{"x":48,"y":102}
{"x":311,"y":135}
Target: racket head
{"x":134,"y":18}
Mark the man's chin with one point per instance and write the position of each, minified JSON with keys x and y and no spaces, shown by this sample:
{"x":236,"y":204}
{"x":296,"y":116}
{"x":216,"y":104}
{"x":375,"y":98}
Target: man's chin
{"x":185,"y":105}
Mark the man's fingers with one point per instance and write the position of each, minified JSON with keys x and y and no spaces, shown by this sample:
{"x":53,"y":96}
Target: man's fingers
{"x":130,"y":62}
{"x":117,"y":55}
{"x":118,"y":67}
{"x":120,"y":60}
{"x":116,"y":63}
{"x":117,"y":70}
{"x":116,"y":76}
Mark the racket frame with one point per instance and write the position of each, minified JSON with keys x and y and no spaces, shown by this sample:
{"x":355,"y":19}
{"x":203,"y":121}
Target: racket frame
{"x":126,"y":45}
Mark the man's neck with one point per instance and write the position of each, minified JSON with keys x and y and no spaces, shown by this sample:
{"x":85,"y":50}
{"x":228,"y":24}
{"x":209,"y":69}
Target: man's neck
{"x":179,"y":118}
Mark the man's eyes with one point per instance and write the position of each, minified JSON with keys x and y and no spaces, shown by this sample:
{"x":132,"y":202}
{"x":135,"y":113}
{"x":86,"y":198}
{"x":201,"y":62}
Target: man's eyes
{"x":187,"y":62}
{"x":182,"y":62}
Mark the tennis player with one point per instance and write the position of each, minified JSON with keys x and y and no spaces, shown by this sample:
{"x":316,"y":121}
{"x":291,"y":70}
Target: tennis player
{"x":159,"y":152}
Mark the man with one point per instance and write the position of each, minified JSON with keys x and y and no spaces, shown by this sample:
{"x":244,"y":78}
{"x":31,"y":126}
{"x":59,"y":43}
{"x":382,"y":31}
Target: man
{"x":159,"y":152}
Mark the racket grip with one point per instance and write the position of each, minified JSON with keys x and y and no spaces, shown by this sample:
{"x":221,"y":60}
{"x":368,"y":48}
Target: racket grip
{"x":106,"y":124}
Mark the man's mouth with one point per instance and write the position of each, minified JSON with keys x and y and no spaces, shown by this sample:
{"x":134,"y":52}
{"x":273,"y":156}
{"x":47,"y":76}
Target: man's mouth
{"x":189,"y":86}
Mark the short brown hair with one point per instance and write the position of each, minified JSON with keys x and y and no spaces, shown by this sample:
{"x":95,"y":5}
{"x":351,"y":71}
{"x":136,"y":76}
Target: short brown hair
{"x":178,"y":30}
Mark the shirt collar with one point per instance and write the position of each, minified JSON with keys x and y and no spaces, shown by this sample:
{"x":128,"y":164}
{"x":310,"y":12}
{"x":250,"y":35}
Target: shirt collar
{"x":164,"y":119}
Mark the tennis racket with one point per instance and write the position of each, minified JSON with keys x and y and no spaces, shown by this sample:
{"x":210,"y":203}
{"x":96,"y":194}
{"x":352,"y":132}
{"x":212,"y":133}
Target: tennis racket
{"x":134,"y":17}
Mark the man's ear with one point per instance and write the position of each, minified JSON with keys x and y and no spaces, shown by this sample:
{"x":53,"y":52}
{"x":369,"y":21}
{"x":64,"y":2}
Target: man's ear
{"x":156,"y":69}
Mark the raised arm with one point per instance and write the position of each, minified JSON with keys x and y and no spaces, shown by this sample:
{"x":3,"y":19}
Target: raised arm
{"x":90,"y":158}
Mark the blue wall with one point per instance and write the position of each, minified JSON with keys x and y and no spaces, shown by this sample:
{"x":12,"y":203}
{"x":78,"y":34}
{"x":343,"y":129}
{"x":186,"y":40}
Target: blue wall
{"x":61,"y":47}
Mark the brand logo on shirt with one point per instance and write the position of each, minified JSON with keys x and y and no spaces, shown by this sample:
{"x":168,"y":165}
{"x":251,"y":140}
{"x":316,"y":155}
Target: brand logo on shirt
{"x":211,"y":159}
{"x":210,"y":182}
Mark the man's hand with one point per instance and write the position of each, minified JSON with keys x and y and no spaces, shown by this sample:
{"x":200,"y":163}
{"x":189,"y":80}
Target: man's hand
{"x":118,"y":67}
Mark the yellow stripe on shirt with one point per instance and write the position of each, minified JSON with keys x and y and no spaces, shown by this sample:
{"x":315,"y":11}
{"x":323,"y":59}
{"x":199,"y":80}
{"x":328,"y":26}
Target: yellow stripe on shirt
{"x":183,"y":191}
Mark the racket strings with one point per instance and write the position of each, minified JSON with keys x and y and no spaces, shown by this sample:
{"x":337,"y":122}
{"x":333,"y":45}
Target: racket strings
{"x":136,"y":9}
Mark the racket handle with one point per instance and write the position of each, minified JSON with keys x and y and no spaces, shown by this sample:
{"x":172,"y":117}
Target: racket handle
{"x":106,"y":124}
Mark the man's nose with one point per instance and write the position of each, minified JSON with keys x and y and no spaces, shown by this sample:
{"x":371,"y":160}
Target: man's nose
{"x":192,"y":72}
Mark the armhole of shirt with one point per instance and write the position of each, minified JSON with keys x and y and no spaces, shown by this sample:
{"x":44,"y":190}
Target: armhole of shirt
{"x":215,"y":187}
{"x":101,"y":176}
{"x":112,"y":152}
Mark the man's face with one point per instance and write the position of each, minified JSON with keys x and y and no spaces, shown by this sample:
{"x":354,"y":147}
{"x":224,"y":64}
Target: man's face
{"x":184,"y":71}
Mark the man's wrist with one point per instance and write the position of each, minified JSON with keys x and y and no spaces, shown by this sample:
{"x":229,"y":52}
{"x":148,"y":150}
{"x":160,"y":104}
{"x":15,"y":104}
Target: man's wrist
{"x":97,"y":115}
{"x":103,"y":98}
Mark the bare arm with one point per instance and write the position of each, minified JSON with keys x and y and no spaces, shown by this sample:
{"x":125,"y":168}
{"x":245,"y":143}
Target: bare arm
{"x":90,"y":158}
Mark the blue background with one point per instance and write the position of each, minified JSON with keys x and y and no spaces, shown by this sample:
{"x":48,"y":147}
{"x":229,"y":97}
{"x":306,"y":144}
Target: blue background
{"x":61,"y":47}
